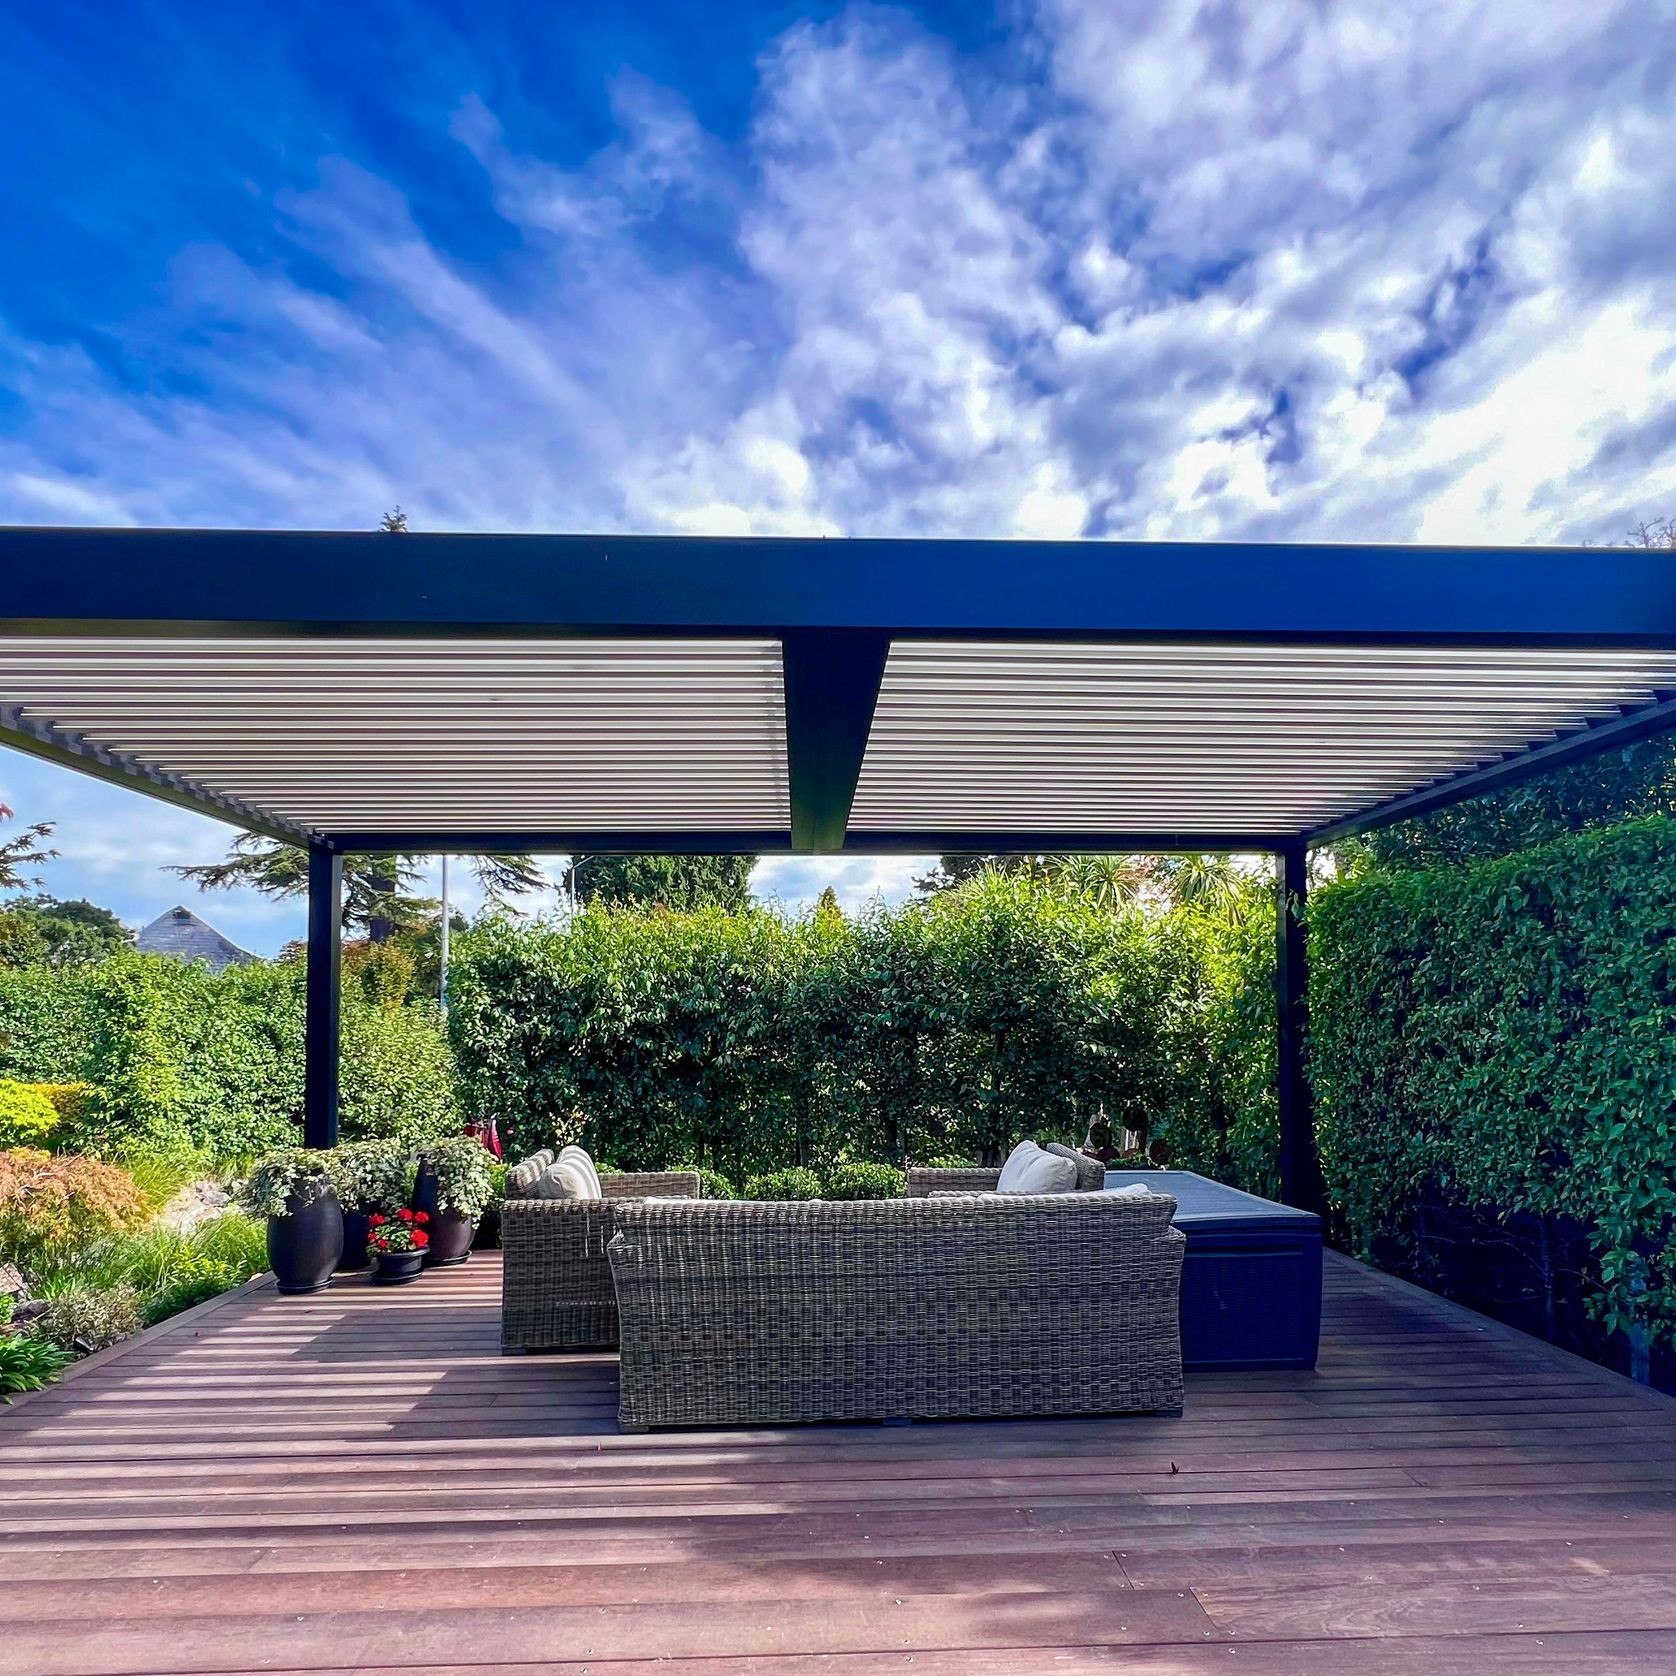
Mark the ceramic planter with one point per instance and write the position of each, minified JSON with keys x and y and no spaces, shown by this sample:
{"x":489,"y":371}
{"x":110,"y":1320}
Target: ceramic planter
{"x":397,"y":1268}
{"x":450,"y":1230}
{"x":356,"y":1227}
{"x":305,"y":1245}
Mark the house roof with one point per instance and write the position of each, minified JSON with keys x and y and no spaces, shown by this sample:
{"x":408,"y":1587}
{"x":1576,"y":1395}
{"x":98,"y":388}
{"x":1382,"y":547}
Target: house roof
{"x":461,"y":692}
{"x":183,"y":936}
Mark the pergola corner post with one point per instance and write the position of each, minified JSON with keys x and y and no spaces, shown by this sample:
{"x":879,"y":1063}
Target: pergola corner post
{"x":322,"y":996}
{"x":1300,"y":1164}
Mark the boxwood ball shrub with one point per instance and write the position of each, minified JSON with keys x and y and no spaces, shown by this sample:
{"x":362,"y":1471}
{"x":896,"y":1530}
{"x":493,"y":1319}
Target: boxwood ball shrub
{"x":865,"y":1181}
{"x":795,"y":1183}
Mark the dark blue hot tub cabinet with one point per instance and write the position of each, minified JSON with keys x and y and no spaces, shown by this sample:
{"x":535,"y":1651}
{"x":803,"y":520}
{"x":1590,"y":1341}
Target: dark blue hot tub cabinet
{"x":1251,"y":1283}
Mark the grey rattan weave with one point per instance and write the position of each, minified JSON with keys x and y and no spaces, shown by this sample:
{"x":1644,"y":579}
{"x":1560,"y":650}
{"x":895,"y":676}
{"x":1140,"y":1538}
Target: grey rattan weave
{"x":922,"y":1183}
{"x":762,"y":1314}
{"x":556,"y":1291}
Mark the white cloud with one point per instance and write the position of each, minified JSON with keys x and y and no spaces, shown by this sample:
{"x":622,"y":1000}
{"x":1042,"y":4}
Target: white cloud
{"x":1187,"y":270}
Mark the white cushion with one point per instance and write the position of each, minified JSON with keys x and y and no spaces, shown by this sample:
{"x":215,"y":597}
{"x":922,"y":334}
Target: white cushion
{"x":565,"y":1180}
{"x":1012,"y":1172}
{"x":1135,"y":1190}
{"x":575,"y":1155}
{"x":1045,"y":1173}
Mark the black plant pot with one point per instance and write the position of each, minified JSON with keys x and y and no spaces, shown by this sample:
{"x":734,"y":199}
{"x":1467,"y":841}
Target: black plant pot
{"x":356,"y":1227}
{"x":305,"y":1244}
{"x":397,"y":1268}
{"x":487,"y":1237}
{"x":450,"y":1230}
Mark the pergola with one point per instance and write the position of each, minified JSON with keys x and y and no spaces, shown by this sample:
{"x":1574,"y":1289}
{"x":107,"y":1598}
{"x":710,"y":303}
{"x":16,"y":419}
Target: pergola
{"x":479,"y":693}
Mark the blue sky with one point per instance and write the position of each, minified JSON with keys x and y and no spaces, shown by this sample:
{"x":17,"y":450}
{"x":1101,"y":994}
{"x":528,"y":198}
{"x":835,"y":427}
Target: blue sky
{"x":1189,"y":269}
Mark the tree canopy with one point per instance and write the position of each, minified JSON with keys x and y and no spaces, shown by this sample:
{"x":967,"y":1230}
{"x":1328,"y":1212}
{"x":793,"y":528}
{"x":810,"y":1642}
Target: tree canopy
{"x":379,"y":895}
{"x":682,"y":882}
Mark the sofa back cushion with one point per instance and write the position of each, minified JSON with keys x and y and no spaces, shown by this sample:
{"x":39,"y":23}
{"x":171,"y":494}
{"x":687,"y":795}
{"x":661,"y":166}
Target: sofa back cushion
{"x":583,"y":1162}
{"x":1091,"y":1173}
{"x":1018,"y":1160}
{"x":566,"y":1179}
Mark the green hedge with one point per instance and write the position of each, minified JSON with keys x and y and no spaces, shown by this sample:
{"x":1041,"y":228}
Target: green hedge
{"x":182,"y":1061}
{"x":1502,"y":1035}
{"x":947,"y":1026}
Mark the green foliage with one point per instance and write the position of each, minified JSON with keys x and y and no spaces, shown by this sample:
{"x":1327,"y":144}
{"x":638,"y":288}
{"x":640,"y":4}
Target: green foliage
{"x":864,"y":1181}
{"x":795,"y":1183}
{"x":187,"y":1064}
{"x":27,"y":1117}
{"x":383,"y":972}
{"x":954,"y":1024}
{"x":1502,"y":1034}
{"x":1602,"y":790}
{"x":683,"y":883}
{"x":372,"y":1175}
{"x":42,"y":931}
{"x":85,"y":1318}
{"x":464,"y":1174}
{"x":397,"y":1075}
{"x":28,"y":1363}
{"x":167,"y":1270}
{"x":284,"y":1182}
{"x":712,"y":1184}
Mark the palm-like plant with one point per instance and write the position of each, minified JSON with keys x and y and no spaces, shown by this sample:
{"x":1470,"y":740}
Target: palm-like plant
{"x":26,"y":849}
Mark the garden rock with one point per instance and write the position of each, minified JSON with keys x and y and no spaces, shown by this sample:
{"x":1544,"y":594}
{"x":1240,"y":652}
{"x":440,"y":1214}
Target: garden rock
{"x":193,"y":1205}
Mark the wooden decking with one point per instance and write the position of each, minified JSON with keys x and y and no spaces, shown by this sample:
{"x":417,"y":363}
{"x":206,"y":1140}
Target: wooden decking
{"x":359,"y":1482}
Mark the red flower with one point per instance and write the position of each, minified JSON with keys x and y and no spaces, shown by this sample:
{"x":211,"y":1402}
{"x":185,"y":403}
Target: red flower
{"x":422,"y":1216}
{"x":375,"y":1221}
{"x":421,"y":1239}
{"x":405,"y":1215}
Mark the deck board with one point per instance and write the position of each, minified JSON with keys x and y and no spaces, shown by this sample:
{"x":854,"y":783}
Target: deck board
{"x":358,"y":1482}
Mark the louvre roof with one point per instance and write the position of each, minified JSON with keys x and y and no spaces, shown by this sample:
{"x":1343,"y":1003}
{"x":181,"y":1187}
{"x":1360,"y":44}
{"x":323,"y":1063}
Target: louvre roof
{"x":457,"y":692}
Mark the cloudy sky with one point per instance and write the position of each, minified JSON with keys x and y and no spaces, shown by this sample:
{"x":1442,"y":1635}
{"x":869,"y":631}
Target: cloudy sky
{"x":1200,"y":268}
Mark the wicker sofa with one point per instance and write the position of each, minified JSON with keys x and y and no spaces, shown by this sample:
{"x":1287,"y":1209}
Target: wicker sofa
{"x":556,"y":1291}
{"x":764,"y":1314}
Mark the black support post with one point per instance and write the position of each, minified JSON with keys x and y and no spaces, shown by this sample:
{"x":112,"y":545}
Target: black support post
{"x":325,"y":943}
{"x":1300,"y":1166}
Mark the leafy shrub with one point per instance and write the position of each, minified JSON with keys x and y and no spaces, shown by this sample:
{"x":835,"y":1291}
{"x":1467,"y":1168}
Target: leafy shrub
{"x":712,"y":1184}
{"x":865,"y":1181}
{"x":463,"y":1174}
{"x":69,"y":1099}
{"x":397,"y":1080}
{"x":950,"y":1025}
{"x":27,"y":1117}
{"x":87,"y":1318}
{"x":795,"y":1183}
{"x":48,"y":1203}
{"x":27,"y":1363}
{"x":179,"y":1062}
{"x":1501,"y":1035}
{"x":287,"y":1181}
{"x":372,"y":1175}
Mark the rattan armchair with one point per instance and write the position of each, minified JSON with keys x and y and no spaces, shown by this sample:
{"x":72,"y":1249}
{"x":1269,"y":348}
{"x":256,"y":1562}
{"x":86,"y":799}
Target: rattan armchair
{"x":556,"y":1291}
{"x":764,"y":1314}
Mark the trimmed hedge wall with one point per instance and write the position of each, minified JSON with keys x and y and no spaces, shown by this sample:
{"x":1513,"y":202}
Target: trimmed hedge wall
{"x":1500,"y":1037}
{"x":182,"y":1061}
{"x":951,"y":1025}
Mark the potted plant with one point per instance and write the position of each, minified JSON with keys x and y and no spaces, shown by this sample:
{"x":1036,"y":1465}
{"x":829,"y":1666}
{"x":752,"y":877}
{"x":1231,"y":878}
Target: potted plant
{"x":398,"y":1243}
{"x":453,"y":1187}
{"x":370,"y":1176}
{"x":293,"y":1189}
